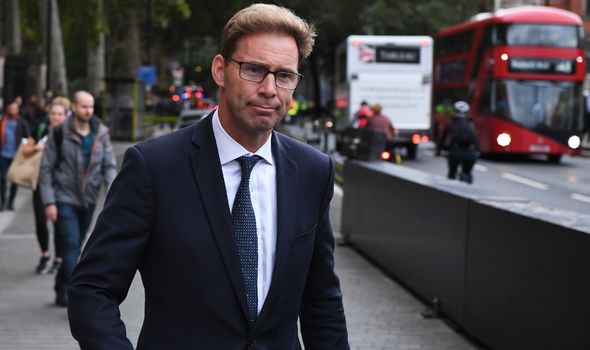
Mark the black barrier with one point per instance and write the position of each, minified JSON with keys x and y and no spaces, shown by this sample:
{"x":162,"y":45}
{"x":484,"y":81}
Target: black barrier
{"x":362,"y":143}
{"x":415,"y":233}
{"x":506,"y":273}
{"x":528,"y":280}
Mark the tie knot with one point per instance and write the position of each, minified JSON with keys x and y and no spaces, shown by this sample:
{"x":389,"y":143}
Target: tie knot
{"x":247,"y":164}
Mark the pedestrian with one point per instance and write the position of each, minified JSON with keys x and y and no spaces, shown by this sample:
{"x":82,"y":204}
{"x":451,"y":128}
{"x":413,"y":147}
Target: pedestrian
{"x":77,"y":160}
{"x":462,"y":143}
{"x":32,"y":113}
{"x":226,"y":220}
{"x":12,"y":130}
{"x":36,"y":143}
{"x":380,"y":123}
{"x":362,"y":115}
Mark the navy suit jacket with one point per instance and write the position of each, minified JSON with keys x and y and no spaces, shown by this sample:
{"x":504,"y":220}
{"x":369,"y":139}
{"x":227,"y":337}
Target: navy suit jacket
{"x":167,"y":216}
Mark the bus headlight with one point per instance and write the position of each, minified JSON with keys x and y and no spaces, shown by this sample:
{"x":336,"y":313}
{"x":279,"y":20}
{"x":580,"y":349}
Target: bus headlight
{"x":503,"y":139}
{"x":574,"y":142}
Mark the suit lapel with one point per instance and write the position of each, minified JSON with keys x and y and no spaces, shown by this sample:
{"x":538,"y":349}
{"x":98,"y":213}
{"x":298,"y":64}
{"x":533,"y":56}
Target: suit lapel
{"x":209,"y":178}
{"x":286,"y":173}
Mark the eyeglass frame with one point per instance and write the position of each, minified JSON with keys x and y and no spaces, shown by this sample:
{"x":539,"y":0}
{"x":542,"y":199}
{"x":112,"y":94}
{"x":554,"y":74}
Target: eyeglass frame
{"x":268,"y":71}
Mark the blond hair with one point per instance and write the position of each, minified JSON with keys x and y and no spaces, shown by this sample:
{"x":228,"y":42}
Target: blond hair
{"x":266,"y":18}
{"x":61,"y":101}
{"x":377,"y":108}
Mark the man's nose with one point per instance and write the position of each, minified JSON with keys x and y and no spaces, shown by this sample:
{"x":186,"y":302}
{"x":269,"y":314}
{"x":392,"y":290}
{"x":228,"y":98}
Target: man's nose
{"x":268,"y":86}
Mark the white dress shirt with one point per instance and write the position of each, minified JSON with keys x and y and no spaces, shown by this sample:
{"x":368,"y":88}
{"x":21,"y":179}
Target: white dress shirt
{"x":263,"y":193}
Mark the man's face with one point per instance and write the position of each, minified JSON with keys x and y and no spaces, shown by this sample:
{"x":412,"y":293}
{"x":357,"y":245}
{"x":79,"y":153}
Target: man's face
{"x":249,"y":109}
{"x":12,"y":109}
{"x":83,"y":107}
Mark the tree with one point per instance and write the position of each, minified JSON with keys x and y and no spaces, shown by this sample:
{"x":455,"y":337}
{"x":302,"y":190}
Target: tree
{"x":95,"y":51}
{"x":58,"y":76}
{"x":14,"y":40}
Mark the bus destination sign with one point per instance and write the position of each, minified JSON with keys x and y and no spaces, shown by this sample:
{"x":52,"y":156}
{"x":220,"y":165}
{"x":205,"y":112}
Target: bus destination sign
{"x":386,"y":54}
{"x":542,"y":66}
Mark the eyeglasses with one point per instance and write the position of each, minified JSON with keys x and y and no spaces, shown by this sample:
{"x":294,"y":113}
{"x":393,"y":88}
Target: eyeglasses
{"x":257,"y":73}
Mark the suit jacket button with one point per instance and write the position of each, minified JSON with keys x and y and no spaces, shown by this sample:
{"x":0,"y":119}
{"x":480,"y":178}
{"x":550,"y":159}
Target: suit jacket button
{"x":251,"y":344}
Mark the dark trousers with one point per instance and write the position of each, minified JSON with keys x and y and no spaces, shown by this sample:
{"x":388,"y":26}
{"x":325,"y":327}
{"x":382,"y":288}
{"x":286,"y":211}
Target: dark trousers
{"x":41,"y":224}
{"x":4,"y":165}
{"x":72,"y":224}
{"x":465,"y":157}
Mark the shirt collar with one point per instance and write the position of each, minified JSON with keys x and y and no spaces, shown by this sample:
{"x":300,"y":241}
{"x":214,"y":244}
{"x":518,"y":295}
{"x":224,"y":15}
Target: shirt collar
{"x":229,"y":149}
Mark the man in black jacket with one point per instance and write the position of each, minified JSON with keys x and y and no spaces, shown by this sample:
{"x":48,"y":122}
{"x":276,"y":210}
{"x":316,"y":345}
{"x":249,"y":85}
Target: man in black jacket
{"x":227,"y":220}
{"x":462,"y":143}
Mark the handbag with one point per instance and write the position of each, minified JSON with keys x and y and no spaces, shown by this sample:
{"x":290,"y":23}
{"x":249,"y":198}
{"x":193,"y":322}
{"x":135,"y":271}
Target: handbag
{"x":24,"y":171}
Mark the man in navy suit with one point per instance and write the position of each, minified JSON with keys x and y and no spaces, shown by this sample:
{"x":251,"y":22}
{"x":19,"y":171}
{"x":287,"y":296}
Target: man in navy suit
{"x":227,"y":261}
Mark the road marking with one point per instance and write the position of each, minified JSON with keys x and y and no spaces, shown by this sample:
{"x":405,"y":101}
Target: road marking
{"x":483,"y":169}
{"x":580,"y":197}
{"x":525,"y":181}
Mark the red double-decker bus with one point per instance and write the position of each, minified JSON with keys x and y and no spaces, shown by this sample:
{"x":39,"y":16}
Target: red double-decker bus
{"x":522,"y":72}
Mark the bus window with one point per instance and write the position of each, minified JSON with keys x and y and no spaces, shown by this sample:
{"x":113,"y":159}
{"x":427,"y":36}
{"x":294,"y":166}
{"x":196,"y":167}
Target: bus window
{"x":486,"y":41}
{"x":450,"y":71}
{"x":539,"y":35}
{"x":454,"y":44}
{"x":485,"y":105}
{"x":538,"y":104}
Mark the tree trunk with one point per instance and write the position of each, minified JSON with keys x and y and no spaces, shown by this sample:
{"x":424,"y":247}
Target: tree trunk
{"x":14,"y":40}
{"x":59,"y":82}
{"x":95,"y":73}
{"x":134,"y":45}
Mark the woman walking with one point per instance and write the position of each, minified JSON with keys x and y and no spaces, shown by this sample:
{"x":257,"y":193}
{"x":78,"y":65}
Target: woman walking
{"x":57,"y":115}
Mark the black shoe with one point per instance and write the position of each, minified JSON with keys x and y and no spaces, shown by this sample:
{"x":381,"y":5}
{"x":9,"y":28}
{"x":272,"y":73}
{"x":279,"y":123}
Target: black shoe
{"x":55,"y":267}
{"x":42,"y":267}
{"x":61,"y":299}
{"x":10,"y":207}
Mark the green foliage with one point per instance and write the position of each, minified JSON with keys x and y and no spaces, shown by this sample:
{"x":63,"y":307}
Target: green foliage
{"x":30,"y":27}
{"x":190,"y":29}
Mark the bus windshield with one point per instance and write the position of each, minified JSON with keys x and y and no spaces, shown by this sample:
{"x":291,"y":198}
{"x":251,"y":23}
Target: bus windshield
{"x":550,"y":35}
{"x":538,"y":104}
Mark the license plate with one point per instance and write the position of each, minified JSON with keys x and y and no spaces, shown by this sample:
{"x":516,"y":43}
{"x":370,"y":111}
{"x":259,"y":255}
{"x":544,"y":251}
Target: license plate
{"x":539,"y":148}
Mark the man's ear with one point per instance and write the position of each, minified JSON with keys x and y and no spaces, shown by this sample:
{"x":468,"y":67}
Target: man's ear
{"x":218,"y":70}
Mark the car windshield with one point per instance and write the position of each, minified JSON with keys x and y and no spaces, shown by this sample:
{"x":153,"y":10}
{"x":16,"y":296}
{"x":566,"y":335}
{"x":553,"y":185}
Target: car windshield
{"x":539,"y":104}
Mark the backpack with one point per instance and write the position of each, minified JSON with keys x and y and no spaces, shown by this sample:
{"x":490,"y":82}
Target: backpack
{"x":464,"y":134}
{"x":58,"y":138}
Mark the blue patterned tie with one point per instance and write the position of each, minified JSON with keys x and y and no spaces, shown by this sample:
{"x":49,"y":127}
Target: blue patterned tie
{"x":244,"y":226}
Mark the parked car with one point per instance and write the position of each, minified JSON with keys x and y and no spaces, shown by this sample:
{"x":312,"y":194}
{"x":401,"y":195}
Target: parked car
{"x":190,"y":117}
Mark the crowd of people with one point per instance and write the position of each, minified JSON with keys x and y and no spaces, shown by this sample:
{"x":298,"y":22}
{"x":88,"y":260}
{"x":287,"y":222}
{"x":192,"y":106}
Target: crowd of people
{"x":76,"y":157}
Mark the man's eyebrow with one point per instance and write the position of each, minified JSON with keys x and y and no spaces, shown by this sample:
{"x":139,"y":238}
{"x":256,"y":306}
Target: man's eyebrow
{"x":266,"y":66}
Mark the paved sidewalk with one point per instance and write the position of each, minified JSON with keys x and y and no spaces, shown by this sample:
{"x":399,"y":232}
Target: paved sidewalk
{"x":380,"y":313}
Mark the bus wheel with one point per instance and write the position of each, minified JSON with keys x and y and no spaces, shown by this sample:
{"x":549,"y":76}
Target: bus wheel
{"x":411,"y":149}
{"x":553,"y":158}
